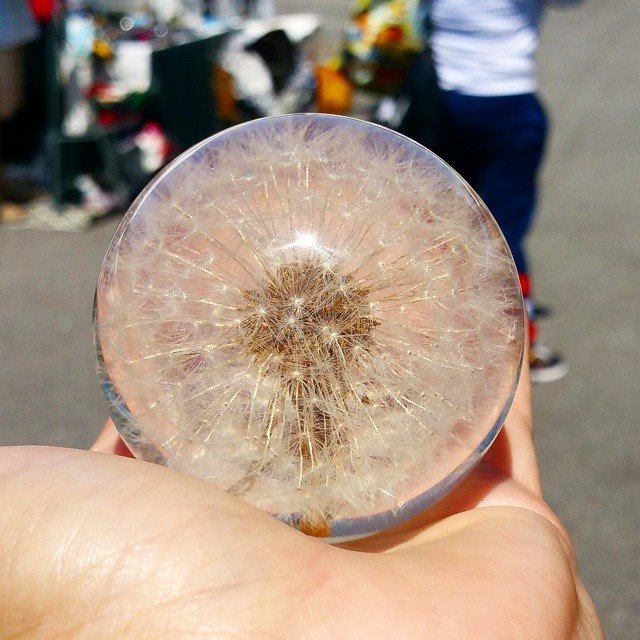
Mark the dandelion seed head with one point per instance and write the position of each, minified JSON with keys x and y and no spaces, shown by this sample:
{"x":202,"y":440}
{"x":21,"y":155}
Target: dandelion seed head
{"x":312,"y":313}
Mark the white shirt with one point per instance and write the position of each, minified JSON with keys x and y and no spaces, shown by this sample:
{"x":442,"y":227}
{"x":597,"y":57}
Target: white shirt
{"x":486,"y":47}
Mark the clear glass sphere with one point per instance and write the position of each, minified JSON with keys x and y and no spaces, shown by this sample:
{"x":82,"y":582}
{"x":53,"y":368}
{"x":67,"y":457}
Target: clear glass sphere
{"x":313,"y":313}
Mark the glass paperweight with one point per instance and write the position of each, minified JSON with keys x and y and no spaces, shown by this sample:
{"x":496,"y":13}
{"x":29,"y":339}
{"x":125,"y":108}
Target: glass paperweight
{"x":315,"y":314}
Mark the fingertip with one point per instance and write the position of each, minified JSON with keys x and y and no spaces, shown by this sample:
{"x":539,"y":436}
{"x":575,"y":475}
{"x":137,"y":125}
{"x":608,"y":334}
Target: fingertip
{"x":109,"y":441}
{"x":513,"y":452}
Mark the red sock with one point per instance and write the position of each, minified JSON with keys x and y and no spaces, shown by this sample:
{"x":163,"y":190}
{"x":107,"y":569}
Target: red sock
{"x":525,"y":284}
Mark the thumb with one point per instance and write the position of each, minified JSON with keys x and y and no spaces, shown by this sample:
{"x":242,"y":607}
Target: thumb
{"x":103,"y":546}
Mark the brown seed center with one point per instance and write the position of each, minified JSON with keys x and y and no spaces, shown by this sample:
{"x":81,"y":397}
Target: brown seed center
{"x":310,"y":326}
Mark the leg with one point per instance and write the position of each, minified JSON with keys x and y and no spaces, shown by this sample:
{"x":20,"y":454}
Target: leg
{"x":506,"y":181}
{"x":462,"y":141}
{"x":497,"y":144}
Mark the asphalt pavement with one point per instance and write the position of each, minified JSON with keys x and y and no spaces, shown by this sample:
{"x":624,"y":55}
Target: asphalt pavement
{"x":585,"y":251}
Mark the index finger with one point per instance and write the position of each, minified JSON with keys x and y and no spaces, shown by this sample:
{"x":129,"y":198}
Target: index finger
{"x":513,"y":453}
{"x":109,"y":441}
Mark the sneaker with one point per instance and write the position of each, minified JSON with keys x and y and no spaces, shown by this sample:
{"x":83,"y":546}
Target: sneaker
{"x":546,"y":365}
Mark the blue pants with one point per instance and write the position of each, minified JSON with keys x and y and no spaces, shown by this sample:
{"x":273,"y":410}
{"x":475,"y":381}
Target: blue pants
{"x":496,"y":143}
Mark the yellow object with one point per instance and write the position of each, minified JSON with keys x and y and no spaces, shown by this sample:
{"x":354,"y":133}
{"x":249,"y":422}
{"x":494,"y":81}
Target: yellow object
{"x":334,"y":91}
{"x":102,"y":49}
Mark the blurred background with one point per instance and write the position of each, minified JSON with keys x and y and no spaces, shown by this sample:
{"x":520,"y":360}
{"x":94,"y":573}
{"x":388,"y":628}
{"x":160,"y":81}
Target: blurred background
{"x":114,"y":89}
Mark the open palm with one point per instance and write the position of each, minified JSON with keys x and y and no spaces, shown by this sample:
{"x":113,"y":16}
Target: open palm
{"x":97,"y":546}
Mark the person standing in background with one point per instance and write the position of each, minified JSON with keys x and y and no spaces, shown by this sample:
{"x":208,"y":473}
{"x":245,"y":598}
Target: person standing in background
{"x":494,"y":127}
{"x":17,"y":28}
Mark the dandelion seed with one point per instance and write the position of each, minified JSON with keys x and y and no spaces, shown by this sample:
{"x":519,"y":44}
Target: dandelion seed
{"x":351,"y":349}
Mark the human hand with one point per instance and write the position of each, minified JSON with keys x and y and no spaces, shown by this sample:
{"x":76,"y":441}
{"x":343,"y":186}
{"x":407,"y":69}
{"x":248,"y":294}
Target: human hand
{"x":100,"y":546}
